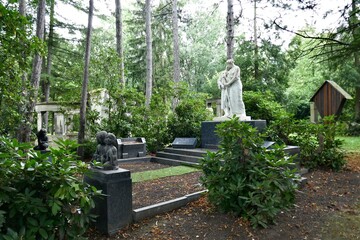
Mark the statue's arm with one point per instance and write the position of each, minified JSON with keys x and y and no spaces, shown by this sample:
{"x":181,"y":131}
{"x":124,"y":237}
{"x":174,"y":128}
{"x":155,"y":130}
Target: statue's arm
{"x":236,"y":76}
{"x":220,"y":81}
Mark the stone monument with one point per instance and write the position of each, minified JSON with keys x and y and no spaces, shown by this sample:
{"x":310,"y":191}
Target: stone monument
{"x":231,"y":92}
{"x":114,"y":210}
{"x":106,"y":150}
{"x":231,"y":103}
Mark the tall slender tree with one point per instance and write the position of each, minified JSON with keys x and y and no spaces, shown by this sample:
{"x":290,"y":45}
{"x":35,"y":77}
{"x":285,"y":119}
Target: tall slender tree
{"x":49,"y":60}
{"x":230,"y":29}
{"x":119,"y":40}
{"x":176,"y":41}
{"x":81,"y":134}
{"x":256,"y":47}
{"x":36,"y":72}
{"x":149,"y":62}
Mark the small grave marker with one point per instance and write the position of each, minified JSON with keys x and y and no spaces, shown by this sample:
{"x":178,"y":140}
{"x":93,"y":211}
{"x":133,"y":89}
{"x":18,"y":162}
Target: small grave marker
{"x":184,"y":143}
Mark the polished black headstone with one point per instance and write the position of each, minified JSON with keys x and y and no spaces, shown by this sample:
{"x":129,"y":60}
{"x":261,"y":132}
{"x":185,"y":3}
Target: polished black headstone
{"x":184,"y":143}
{"x":209,"y":138}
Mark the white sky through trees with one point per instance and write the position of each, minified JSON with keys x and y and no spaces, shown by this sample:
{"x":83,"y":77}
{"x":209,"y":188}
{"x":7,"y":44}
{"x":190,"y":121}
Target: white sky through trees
{"x":294,"y":20}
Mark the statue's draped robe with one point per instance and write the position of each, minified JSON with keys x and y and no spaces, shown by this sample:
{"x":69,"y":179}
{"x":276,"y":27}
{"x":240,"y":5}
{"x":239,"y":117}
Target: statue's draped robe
{"x":231,"y":96}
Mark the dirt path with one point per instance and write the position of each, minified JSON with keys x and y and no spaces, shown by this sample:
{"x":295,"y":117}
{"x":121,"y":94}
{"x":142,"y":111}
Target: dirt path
{"x":328,"y":207}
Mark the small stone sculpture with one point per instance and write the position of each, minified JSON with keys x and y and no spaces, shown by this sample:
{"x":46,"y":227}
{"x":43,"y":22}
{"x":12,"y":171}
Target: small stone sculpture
{"x":42,"y":140}
{"x":100,"y":153}
{"x":106,"y":150}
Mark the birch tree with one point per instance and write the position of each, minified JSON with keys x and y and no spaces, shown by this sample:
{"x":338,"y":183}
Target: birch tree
{"x":149,"y":62}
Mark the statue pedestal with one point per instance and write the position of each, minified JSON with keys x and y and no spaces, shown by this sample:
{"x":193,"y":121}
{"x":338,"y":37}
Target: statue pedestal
{"x":114,"y":210}
{"x":209,"y":139}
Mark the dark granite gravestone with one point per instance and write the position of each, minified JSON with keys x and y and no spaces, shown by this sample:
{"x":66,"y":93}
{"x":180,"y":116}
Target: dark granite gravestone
{"x":114,"y":210}
{"x":184,"y":143}
{"x":209,"y":138}
{"x":131,"y":147}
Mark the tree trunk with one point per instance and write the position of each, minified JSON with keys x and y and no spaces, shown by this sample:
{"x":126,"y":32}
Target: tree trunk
{"x":22,"y":108}
{"x":256,"y":47}
{"x":176,"y":42}
{"x":46,"y":82}
{"x":119,"y":40}
{"x":176,"y":50}
{"x":35,"y":75}
{"x":355,"y":32}
{"x":230,"y":30}
{"x":81,"y":134}
{"x":149,"y":68}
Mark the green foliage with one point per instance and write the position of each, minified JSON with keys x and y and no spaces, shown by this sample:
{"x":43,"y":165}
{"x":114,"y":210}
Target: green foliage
{"x":16,"y":46}
{"x":262,"y":105}
{"x":317,"y":142}
{"x":43,"y":196}
{"x":152,"y":122}
{"x":274,"y":67}
{"x":244,"y":178}
{"x":188,"y":115}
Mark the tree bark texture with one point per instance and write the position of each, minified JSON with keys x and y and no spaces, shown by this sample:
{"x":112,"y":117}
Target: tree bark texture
{"x":256,"y":49}
{"x":230,"y":30}
{"x":119,"y":40}
{"x":149,"y":67}
{"x":176,"y":42}
{"x":35,"y":75}
{"x":46,"y":83}
{"x":81,"y":134}
{"x":354,"y":21}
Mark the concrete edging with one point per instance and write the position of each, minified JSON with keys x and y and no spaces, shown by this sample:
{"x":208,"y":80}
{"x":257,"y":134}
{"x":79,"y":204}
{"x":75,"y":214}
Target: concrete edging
{"x":155,"y":209}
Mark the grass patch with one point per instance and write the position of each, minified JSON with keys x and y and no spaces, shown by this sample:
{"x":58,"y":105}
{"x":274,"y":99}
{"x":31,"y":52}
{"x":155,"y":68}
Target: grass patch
{"x":160,"y":173}
{"x":350,"y":144}
{"x":343,"y":226}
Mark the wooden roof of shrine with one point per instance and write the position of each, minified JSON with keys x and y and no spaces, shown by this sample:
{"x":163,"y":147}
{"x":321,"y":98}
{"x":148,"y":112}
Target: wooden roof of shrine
{"x":330,"y":98}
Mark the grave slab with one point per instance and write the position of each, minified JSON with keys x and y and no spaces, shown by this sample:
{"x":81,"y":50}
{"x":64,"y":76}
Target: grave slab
{"x":189,"y":143}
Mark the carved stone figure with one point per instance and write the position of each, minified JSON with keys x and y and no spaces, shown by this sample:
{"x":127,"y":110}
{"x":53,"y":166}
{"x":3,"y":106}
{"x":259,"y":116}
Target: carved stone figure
{"x":100,"y":153}
{"x":42,"y":140}
{"x":231,"y":91}
{"x":106,"y":150}
{"x":111,"y":152}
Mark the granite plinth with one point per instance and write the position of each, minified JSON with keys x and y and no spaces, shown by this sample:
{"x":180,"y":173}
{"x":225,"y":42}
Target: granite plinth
{"x":209,"y":138}
{"x":114,"y":210}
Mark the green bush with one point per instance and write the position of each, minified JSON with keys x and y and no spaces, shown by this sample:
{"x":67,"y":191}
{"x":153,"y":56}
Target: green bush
{"x":187,"y":118}
{"x":262,"y":105}
{"x":244,"y":178}
{"x":318,"y":146}
{"x":43,"y":196}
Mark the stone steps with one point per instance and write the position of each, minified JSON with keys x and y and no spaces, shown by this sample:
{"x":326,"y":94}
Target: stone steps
{"x":181,"y":157}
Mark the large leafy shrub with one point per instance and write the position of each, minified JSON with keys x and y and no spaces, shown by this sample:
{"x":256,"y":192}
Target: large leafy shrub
{"x":262,"y":105}
{"x":43,"y":196}
{"x":317,"y":142}
{"x":244,"y":178}
{"x":187,"y":117}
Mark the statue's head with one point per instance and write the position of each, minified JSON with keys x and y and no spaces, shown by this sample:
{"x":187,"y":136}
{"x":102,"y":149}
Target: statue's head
{"x":100,"y":137}
{"x":42,"y":133}
{"x":229,"y":63}
{"x":111,"y":139}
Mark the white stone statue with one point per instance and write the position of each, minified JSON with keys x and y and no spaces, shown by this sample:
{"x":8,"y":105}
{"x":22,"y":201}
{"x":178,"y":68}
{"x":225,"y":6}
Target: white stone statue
{"x":231,"y":92}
